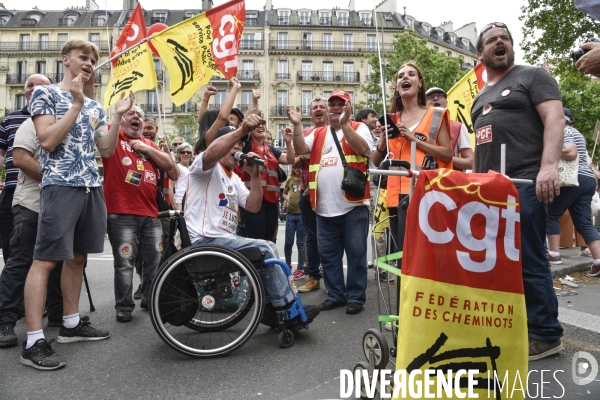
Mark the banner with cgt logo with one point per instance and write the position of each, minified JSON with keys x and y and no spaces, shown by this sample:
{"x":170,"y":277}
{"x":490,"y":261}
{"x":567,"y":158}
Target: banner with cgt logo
{"x":462,"y":304}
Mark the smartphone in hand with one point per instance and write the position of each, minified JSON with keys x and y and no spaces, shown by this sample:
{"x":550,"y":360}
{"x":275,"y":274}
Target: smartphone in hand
{"x":395,"y":130}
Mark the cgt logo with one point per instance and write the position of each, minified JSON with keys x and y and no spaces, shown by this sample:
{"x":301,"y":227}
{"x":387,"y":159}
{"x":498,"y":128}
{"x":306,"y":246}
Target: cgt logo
{"x":584,"y":363}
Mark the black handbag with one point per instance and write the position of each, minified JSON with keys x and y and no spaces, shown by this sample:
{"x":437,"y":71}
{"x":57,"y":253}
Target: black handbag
{"x":160,"y":197}
{"x":281,"y":175}
{"x":355,"y":181}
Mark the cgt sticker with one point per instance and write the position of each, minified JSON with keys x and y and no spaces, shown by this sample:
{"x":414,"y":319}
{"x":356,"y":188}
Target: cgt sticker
{"x":125,"y":250}
{"x":159,"y":246}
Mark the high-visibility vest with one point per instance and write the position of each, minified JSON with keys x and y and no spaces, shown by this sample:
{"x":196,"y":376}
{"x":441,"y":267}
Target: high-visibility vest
{"x":316,"y":155}
{"x":268,"y":176}
{"x":427,"y":130}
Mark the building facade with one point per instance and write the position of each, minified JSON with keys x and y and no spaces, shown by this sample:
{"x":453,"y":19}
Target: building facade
{"x":291,"y":55}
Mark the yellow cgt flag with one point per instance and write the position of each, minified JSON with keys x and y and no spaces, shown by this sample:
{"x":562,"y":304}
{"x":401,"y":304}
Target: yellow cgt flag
{"x":460,"y":98}
{"x":198,"y":48}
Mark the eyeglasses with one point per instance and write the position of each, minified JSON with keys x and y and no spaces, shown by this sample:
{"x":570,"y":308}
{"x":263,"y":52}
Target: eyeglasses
{"x":185,"y":152}
{"x":490,"y":26}
{"x":436,"y":96}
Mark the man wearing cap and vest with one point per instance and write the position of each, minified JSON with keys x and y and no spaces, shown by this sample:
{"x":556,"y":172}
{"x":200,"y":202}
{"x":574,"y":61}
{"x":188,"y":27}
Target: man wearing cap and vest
{"x":342,"y":220}
{"x":459,"y":136}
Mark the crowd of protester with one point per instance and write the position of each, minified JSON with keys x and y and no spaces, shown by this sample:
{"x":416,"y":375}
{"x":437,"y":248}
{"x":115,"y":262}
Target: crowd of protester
{"x":59,"y":176}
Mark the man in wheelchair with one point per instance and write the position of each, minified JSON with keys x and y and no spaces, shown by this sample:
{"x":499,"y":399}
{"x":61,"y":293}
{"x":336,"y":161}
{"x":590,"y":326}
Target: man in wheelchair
{"x":214,"y":195}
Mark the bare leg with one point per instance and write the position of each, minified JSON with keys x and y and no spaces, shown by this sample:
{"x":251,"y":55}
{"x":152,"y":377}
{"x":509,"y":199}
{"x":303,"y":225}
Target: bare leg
{"x":35,"y":293}
{"x":71,"y":279}
{"x":553,"y":242}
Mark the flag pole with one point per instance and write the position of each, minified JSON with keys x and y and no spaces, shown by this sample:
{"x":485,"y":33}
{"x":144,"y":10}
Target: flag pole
{"x":103,"y":63}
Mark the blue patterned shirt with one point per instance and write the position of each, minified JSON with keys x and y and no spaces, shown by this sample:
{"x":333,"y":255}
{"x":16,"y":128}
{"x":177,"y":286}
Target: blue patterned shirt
{"x":8,"y":127}
{"x":72,"y":163}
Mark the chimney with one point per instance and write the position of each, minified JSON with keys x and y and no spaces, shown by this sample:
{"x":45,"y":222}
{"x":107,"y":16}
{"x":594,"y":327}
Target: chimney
{"x":2,"y":6}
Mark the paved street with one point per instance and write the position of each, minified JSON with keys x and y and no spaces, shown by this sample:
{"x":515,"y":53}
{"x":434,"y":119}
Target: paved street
{"x":135,"y":363}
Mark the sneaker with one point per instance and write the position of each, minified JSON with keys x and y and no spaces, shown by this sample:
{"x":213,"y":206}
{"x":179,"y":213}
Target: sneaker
{"x":311,"y":284}
{"x":41,"y":356}
{"x":138,"y":293}
{"x":58,"y":322}
{"x":83,"y":332}
{"x":585,"y":253}
{"x":554,"y":260}
{"x":384,"y":276}
{"x":8,"y":337}
{"x":595,"y":271}
{"x":298,"y":274}
{"x":539,"y":349}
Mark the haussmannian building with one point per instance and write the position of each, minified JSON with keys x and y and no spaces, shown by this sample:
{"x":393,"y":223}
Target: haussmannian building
{"x":291,"y":55}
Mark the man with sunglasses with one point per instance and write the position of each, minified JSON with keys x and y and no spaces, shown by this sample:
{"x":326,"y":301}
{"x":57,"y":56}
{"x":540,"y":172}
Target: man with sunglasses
{"x":520,"y":106}
{"x":130,"y":183}
{"x":459,"y":136}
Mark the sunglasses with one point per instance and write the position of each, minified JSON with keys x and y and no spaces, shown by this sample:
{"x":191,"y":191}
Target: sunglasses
{"x":185,"y":152}
{"x":491,"y":25}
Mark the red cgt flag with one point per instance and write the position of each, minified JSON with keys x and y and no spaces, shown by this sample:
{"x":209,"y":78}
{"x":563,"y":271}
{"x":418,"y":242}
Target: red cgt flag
{"x":134,"y":31}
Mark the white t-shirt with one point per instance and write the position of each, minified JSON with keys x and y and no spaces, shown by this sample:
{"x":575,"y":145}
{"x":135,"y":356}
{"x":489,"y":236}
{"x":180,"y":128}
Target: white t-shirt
{"x":214,"y":197}
{"x":463,"y":142}
{"x":182,"y":183}
{"x":330,"y":197}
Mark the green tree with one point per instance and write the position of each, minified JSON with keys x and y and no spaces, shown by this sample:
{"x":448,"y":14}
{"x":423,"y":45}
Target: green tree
{"x":551,"y":30}
{"x":186,"y":126}
{"x":438,"y":68}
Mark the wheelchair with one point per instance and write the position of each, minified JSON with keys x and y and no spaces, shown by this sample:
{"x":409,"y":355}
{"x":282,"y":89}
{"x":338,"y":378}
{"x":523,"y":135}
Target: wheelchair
{"x":208,"y":300}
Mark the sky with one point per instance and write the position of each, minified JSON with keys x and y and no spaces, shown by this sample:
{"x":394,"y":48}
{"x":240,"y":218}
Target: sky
{"x":460,"y":12}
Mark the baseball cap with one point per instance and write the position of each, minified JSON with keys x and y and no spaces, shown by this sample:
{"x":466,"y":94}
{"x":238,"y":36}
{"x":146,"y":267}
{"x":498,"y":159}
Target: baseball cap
{"x":435,"y":89}
{"x":340,"y":94}
{"x":228,"y":129}
{"x":568,"y":115}
{"x":237,"y":112}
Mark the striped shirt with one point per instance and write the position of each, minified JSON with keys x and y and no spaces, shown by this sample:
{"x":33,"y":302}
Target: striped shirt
{"x":573,"y":136}
{"x":8,"y":127}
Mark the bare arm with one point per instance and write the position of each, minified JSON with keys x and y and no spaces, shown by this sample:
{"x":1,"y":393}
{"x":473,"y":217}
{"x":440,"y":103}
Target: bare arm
{"x":2,"y":154}
{"x":23,"y":159}
{"x":210,"y":90}
{"x":254,"y":200}
{"x":300,"y":146}
{"x":551,"y":113}
{"x":569,"y":152}
{"x":223,"y":145}
{"x":106,"y":139}
{"x":465,"y":161}
{"x":289,"y":157}
{"x":163,"y":161}
{"x":358,"y":144}
{"x":223,"y":112}
{"x":254,"y":105}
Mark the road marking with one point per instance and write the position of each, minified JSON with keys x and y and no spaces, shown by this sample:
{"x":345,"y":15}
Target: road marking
{"x":101,"y":259}
{"x":579,"y":319}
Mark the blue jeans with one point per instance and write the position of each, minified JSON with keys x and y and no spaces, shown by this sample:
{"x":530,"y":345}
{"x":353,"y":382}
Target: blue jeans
{"x":130,"y":235}
{"x":294,"y":227}
{"x":309,"y":219}
{"x":577,"y":199}
{"x":540,"y":298}
{"x":348,"y":233}
{"x":276,"y":284}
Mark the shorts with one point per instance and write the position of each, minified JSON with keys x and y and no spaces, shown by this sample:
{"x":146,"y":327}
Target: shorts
{"x":72,"y":220}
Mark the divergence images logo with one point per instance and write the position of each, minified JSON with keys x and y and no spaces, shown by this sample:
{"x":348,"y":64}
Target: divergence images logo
{"x":222,"y":200}
{"x":583,"y":362}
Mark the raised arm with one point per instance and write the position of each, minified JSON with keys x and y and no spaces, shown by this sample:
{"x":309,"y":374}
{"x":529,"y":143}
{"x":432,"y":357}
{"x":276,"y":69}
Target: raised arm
{"x":300,"y":146}
{"x":210,"y":90}
{"x":358,"y":144}
{"x":163,"y":161}
{"x":106,"y":139}
{"x":289,"y":157}
{"x":254,"y":105}
{"x":223,"y":112}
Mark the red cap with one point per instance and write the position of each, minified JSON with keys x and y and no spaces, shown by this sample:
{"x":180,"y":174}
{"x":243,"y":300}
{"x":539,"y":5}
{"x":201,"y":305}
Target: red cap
{"x":339,"y":94}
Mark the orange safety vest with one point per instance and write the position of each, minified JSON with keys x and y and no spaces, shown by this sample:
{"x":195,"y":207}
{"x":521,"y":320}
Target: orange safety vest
{"x":316,"y":155}
{"x":428,"y":129}
{"x":268,"y":176}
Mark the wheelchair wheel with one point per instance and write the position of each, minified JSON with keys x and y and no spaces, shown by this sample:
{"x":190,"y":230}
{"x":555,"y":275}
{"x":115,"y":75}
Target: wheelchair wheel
{"x":374,"y":341}
{"x":206,"y":301}
{"x":363,"y":366}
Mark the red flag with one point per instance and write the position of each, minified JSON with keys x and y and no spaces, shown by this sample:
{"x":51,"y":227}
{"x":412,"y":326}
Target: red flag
{"x":134,"y":31}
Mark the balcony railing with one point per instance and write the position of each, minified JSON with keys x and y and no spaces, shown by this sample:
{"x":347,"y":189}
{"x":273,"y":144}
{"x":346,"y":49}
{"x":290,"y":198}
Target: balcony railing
{"x":252,"y":75}
{"x":325,"y":21}
{"x":28,"y":22}
{"x":16,"y":78}
{"x":305,"y":110}
{"x":185,"y":108}
{"x":282,"y":75}
{"x":278,"y":111}
{"x":98,"y":21}
{"x":242,"y":107}
{"x":329,"y":76}
{"x":325,"y":45}
{"x":304,"y":21}
{"x":37,"y":46}
{"x":66,"y":22}
{"x":251,"y":22}
{"x":58,"y":77}
{"x":251,"y":44}
{"x":215,"y":106}
{"x":150,"y":108}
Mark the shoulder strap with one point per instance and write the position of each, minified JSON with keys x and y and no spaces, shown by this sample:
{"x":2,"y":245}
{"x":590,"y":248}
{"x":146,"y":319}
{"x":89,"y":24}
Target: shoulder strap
{"x":337,"y":143}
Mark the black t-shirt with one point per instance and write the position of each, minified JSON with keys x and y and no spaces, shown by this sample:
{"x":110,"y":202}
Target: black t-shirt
{"x":505,"y":113}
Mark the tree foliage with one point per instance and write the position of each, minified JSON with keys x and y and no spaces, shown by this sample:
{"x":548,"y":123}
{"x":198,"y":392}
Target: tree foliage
{"x":187,"y":127}
{"x":551,"y":30}
{"x":438,"y":68}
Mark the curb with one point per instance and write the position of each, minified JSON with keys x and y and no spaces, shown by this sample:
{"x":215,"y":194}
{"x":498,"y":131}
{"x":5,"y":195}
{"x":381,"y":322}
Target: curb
{"x":573,"y":264}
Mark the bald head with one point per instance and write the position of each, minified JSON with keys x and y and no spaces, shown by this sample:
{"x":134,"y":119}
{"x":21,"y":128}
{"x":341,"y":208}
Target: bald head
{"x":33,"y":81}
